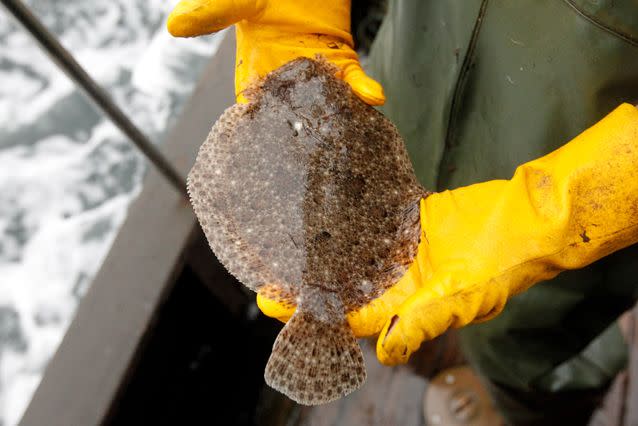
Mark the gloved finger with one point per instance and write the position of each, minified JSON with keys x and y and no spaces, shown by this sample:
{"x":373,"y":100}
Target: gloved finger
{"x":192,"y":18}
{"x":274,"y":309}
{"x":369,"y":90}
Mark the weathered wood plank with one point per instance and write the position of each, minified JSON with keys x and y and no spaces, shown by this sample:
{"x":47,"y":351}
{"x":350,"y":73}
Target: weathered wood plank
{"x":84,"y":376}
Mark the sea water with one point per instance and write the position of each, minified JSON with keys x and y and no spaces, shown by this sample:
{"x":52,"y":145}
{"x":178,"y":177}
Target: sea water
{"x":67,"y":175}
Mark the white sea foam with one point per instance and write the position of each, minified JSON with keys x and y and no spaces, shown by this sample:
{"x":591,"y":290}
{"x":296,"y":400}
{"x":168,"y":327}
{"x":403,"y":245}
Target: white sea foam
{"x":67,"y":176}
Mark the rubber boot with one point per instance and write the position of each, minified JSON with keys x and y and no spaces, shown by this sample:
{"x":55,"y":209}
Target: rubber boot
{"x":456,"y":397}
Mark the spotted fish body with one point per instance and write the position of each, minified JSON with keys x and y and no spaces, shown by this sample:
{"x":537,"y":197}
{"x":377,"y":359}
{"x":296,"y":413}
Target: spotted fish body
{"x":307,"y":195}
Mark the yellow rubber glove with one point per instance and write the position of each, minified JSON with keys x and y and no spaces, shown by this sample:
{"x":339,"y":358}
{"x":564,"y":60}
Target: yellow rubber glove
{"x":484,"y":243}
{"x":273,"y":32}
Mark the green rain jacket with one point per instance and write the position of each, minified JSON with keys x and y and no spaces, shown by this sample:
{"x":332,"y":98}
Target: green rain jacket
{"x":478,"y":87}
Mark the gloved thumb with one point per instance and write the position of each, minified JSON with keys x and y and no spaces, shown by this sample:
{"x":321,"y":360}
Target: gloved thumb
{"x":430,"y":312}
{"x":417,"y":319}
{"x":192,"y":18}
{"x":369,"y":90}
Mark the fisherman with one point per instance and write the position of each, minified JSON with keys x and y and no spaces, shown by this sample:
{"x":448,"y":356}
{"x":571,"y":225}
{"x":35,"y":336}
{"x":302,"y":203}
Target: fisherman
{"x":488,"y":95}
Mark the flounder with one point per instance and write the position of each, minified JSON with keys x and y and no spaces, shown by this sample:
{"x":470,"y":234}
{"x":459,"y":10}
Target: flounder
{"x":307,"y":195}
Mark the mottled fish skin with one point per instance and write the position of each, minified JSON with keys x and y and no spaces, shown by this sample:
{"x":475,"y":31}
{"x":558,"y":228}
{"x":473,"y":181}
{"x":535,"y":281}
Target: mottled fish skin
{"x":307,"y":195}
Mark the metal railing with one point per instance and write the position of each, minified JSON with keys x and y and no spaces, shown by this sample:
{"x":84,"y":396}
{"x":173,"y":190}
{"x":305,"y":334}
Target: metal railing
{"x":49,"y":43}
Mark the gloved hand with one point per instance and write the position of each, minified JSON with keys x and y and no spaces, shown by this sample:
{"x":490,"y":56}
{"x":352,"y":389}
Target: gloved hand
{"x":273,"y":32}
{"x":484,"y":243}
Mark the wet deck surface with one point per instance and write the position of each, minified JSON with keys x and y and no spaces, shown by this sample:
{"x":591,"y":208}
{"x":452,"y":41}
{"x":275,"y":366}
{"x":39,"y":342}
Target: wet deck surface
{"x":391,"y":395}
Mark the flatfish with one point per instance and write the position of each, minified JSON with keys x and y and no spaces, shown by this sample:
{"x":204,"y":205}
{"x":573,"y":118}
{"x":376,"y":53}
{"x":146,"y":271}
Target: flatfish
{"x":307,"y":195}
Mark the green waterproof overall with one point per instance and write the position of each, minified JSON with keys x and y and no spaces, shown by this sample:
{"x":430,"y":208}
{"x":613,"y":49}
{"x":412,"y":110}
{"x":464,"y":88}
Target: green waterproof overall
{"x":478,"y":87}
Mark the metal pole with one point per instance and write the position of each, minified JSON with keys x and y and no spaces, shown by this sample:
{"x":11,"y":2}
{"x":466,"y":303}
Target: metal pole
{"x":92,"y":90}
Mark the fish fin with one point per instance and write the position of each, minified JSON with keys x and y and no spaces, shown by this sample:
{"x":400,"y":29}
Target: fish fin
{"x":314,"y":362}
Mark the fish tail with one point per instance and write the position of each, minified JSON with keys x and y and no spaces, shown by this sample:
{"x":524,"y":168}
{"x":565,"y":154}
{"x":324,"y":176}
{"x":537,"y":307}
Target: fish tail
{"x":315,"y":362}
